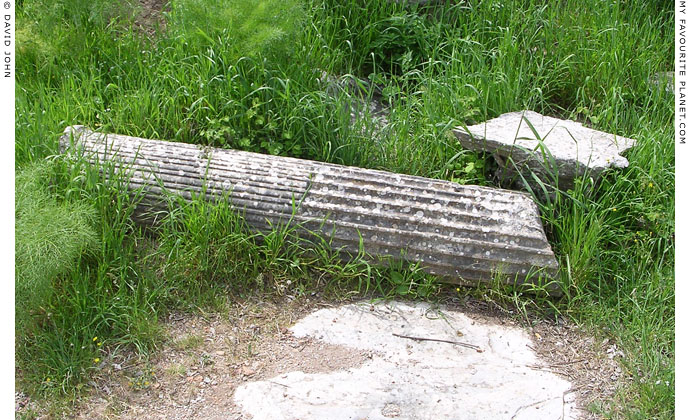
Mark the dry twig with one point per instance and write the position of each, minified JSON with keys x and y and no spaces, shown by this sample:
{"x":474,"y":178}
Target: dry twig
{"x":457,"y":343}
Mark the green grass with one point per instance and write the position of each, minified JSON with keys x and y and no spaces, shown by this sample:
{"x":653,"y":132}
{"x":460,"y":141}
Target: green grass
{"x":50,"y":238}
{"x":248,"y":75}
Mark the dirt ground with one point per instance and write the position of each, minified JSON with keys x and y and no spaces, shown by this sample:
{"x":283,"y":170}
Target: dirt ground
{"x":206,"y":357}
{"x":149,"y":15}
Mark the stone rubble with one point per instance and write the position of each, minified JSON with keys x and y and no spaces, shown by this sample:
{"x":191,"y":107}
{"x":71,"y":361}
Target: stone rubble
{"x":565,"y":147}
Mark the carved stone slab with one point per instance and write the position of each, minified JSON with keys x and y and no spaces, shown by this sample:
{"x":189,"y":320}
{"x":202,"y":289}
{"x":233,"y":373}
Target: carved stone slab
{"x":575,"y":150}
{"x":462,"y":233}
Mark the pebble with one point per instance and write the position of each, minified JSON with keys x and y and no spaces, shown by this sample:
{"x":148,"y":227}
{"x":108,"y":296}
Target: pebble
{"x":247,"y":371}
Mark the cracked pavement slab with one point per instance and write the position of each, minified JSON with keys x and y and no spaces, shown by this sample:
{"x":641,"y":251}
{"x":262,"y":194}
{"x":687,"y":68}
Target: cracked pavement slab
{"x":492,"y":375}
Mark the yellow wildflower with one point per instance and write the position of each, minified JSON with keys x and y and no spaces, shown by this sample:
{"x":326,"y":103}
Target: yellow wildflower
{"x":96,"y":360}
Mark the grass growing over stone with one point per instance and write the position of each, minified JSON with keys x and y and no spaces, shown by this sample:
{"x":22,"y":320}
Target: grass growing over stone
{"x":261,"y":88}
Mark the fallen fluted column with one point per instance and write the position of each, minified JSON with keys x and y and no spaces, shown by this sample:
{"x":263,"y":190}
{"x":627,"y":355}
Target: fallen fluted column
{"x":462,"y":233}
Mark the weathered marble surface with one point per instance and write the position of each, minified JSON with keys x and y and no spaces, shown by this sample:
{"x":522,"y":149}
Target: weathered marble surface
{"x":575,"y":150}
{"x":366,"y":108}
{"x":462,"y":233}
{"x":408,"y":379}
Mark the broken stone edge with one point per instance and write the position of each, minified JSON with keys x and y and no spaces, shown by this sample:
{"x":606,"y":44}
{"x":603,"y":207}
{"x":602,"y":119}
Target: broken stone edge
{"x":463,"y":234}
{"x":516,"y":157}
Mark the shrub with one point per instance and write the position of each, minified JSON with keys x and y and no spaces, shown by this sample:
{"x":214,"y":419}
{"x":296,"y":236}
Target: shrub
{"x":49,"y":238}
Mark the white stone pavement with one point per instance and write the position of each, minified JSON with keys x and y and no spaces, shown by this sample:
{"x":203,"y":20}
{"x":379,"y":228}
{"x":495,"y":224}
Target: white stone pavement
{"x":408,"y":379}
